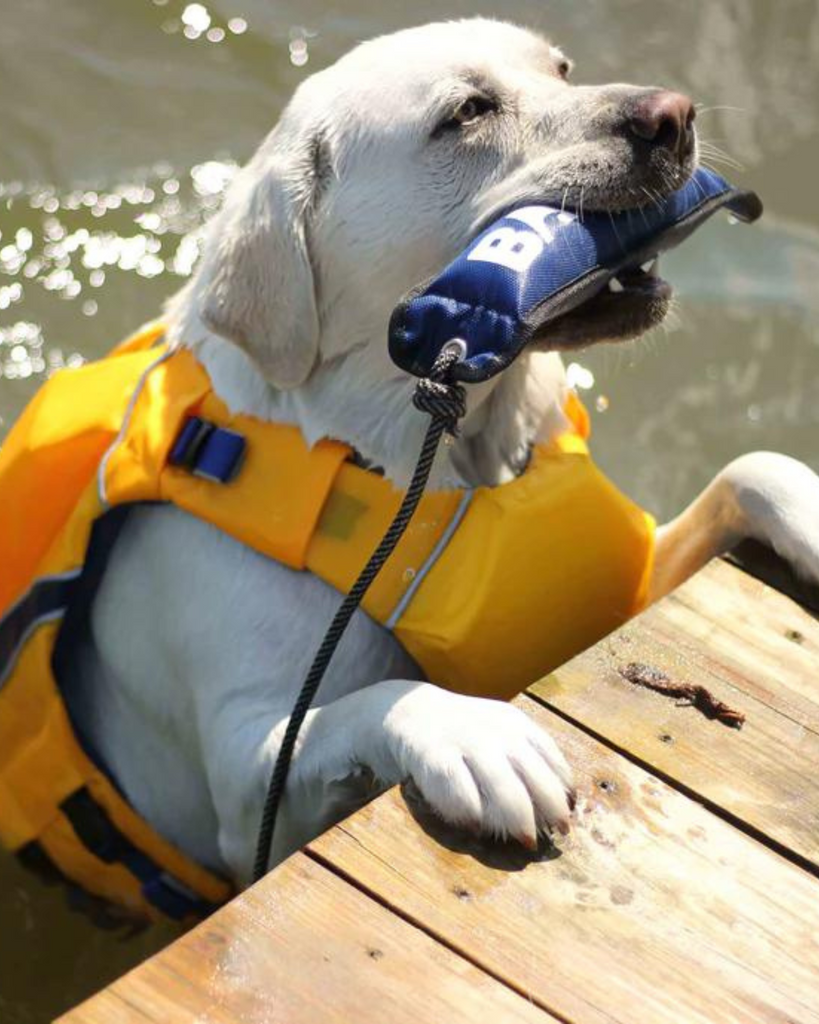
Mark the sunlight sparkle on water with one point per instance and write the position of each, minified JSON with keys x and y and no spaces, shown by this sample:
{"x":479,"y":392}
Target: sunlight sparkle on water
{"x":10,"y":294}
{"x":299,"y":35}
{"x":21,"y":351}
{"x":197,"y":21}
{"x":196,"y":18}
{"x":71,"y":241}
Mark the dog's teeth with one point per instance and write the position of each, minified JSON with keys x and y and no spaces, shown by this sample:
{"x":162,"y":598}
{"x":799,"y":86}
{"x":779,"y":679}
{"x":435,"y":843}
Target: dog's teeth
{"x":650,"y":267}
{"x":614,"y":285}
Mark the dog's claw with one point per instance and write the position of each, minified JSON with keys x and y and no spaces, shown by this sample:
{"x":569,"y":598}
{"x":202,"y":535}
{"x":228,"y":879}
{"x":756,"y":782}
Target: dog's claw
{"x":484,"y":764}
{"x":528,"y":841}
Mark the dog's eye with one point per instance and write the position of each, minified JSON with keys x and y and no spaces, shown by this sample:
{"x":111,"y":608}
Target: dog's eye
{"x":469,"y":112}
{"x":564,"y":69}
{"x":473,"y":109}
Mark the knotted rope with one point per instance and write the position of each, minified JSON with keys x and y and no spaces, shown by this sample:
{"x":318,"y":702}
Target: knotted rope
{"x":445,"y":402}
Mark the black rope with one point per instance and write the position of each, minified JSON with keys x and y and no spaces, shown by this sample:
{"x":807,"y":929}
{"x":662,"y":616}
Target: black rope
{"x":446,"y":404}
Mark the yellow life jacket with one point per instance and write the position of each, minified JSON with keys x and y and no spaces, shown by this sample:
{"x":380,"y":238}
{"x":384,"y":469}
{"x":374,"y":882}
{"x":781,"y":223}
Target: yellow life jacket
{"x":488,"y":589}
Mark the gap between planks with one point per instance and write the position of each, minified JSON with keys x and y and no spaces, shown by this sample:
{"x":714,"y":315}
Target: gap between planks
{"x":653,"y":909}
{"x":413,"y":921}
{"x":675,"y":783}
{"x":302,"y":945}
{"x":762,"y":779}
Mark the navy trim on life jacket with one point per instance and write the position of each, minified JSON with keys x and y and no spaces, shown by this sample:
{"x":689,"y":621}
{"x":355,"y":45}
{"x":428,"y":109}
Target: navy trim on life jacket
{"x":46,"y":600}
{"x":102,"y":838}
{"x":93,"y":827}
{"x":207,"y":451}
{"x":75,"y":629}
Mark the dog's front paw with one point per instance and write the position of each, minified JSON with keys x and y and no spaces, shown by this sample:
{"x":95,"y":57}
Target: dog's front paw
{"x":779,"y":498}
{"x":481,"y":764}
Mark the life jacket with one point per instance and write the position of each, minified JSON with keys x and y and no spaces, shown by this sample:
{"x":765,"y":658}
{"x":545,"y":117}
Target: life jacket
{"x":489,"y":588}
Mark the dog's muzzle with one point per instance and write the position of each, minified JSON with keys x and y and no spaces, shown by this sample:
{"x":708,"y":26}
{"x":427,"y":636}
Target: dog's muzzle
{"x":537,"y":263}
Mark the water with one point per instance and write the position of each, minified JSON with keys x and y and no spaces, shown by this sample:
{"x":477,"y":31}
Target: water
{"x":122,"y":122}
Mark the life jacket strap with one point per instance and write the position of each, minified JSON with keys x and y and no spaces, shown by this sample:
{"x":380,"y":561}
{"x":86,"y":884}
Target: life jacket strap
{"x":100,"y":836}
{"x":208,"y":451}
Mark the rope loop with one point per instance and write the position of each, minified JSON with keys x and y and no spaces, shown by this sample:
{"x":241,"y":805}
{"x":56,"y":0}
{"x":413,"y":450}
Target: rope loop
{"x":443,"y":400}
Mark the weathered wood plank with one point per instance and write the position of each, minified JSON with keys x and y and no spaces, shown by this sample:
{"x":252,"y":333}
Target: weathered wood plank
{"x":655,"y":910}
{"x":766,"y":644}
{"x":753,"y":649}
{"x":305,"y":946}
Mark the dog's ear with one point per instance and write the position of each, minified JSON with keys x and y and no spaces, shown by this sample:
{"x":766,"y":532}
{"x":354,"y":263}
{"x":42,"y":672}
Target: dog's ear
{"x":259,"y":290}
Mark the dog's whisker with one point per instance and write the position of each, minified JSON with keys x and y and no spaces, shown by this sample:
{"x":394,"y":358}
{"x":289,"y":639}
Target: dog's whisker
{"x":710,"y":150}
{"x":698,"y":186}
{"x":614,"y":229}
{"x":643,"y":212}
{"x":723,"y":158}
{"x":653,"y":197}
{"x":720,"y":107}
{"x":712,"y":164}
{"x":712,"y":142}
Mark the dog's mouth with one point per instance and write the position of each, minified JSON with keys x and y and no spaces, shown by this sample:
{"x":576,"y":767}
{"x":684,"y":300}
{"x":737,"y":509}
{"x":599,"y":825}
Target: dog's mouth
{"x":541,"y":275}
{"x":632,"y":302}
{"x":625,"y":307}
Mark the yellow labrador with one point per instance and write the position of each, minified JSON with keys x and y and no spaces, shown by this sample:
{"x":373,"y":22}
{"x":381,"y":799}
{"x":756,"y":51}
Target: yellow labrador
{"x":376,"y":175}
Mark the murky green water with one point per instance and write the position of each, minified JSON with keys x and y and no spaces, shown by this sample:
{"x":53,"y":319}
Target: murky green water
{"x":120,"y":125}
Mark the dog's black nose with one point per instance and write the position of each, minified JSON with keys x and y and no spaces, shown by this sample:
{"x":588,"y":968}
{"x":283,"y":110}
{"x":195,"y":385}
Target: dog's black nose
{"x":664,"y":119}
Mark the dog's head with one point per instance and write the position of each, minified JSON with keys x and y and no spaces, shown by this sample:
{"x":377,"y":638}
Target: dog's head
{"x":386,"y":164}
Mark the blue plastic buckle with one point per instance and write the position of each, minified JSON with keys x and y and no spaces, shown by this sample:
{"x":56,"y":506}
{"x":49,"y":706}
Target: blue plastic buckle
{"x":207,"y":451}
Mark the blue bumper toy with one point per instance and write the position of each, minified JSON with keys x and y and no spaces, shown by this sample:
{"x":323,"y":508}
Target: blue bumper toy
{"x":536,"y":263}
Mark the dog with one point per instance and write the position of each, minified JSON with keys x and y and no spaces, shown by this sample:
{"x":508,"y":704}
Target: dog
{"x":378,"y":172}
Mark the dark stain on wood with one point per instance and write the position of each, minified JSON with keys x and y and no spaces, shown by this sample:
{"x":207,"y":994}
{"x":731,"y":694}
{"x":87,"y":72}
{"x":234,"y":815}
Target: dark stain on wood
{"x":692,"y":694}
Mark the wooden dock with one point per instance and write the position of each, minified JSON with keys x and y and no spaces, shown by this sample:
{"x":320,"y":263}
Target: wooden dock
{"x":688,"y":890}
